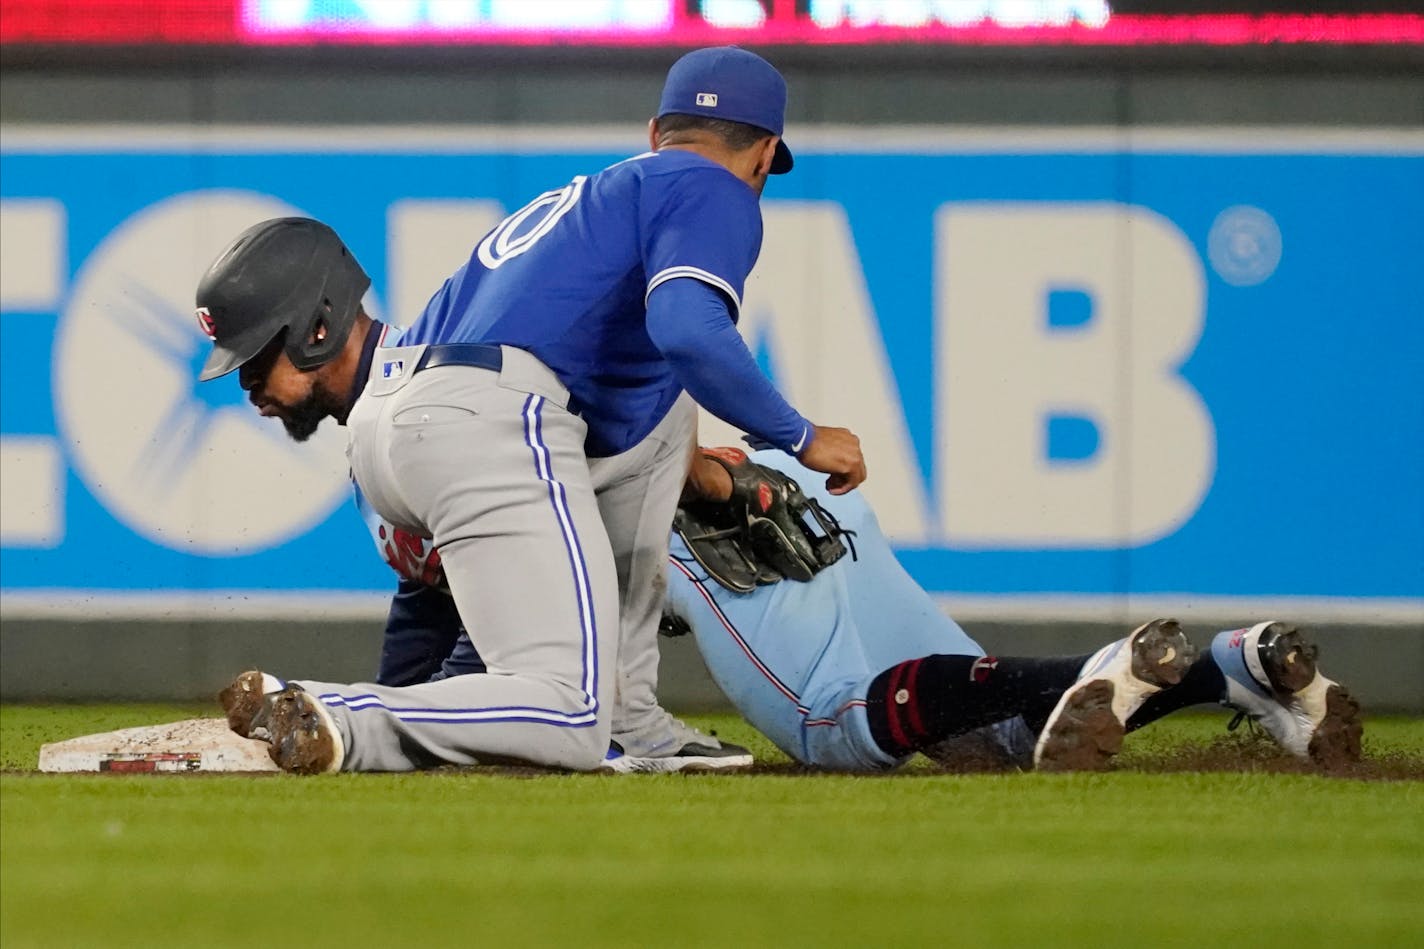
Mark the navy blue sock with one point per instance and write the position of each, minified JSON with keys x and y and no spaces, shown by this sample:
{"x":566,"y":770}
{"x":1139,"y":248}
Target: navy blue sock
{"x":924,"y":701}
{"x":1203,"y":683}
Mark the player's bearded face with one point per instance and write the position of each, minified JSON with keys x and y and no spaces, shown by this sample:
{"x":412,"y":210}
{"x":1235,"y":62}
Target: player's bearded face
{"x":301,"y":418}
{"x":300,"y":400}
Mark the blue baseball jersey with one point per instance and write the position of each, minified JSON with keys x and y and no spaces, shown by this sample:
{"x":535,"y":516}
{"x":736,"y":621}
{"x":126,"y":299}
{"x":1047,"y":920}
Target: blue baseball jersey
{"x":796,"y":658}
{"x":568,"y":276}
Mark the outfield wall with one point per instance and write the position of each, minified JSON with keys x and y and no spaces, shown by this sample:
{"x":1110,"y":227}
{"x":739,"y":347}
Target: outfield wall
{"x":1119,"y":343}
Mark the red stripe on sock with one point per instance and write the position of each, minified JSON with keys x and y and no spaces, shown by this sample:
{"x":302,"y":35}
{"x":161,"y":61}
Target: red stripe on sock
{"x":892,"y":710}
{"x":912,"y":676}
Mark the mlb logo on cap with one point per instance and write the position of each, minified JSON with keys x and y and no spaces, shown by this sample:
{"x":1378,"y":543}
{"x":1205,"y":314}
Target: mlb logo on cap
{"x":738,"y":84}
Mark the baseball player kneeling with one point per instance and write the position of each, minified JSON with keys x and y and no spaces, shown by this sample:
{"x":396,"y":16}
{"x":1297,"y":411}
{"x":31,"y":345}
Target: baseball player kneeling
{"x":534,"y":422}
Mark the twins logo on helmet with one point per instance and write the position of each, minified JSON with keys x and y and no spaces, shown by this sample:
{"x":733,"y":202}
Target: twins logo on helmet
{"x":206,"y":323}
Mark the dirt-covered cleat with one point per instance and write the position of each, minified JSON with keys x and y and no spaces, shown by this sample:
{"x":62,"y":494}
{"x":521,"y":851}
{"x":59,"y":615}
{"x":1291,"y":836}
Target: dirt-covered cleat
{"x":1086,"y":728}
{"x":706,"y":755}
{"x":245,"y":705}
{"x":305,"y":739}
{"x":1273,"y":677}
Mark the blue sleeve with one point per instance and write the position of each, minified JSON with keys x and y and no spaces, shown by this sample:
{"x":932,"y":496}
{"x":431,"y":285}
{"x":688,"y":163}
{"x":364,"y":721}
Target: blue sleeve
{"x":421,"y":632}
{"x":702,"y":222}
{"x":689,"y":323}
{"x":463,"y":660}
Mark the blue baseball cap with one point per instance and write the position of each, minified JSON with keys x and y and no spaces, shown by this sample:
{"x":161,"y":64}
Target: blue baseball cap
{"x":731,"y":83}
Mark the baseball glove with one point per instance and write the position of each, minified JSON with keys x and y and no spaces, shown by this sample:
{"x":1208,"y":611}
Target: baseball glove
{"x":768,"y":531}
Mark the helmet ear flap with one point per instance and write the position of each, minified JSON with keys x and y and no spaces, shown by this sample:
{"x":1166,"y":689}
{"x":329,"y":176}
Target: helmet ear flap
{"x":336,"y":301}
{"x":318,"y":340}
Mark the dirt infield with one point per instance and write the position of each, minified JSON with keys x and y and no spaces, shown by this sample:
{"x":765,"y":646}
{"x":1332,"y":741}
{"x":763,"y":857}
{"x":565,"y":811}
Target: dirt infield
{"x":1257,"y":753}
{"x":1243,"y":752}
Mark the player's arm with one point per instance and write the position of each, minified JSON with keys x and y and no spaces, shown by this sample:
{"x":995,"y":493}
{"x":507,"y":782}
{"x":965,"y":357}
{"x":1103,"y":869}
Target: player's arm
{"x":690,"y":323}
{"x":701,"y":234}
{"x":688,"y":320}
{"x":421,"y":631}
{"x":706,"y":479}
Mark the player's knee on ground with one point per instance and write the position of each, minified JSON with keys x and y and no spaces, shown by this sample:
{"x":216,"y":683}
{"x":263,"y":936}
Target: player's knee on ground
{"x":588,"y":746}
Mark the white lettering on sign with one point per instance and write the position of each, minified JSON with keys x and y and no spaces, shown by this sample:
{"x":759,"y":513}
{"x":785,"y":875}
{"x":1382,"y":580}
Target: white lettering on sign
{"x":1008,"y":367}
{"x":32,"y":504}
{"x":426,"y":242}
{"x":33,"y":254}
{"x":184,"y":464}
{"x":808,"y":306}
{"x":34,"y":237}
{"x":911,"y":13}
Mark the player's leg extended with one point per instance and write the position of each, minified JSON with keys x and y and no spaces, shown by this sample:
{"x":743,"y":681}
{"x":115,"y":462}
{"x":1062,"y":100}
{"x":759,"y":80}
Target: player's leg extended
{"x":796,"y":662}
{"x":764,"y":648}
{"x":1269,"y":673}
{"x":898,"y":622}
{"x":803,"y":661}
{"x":1086,"y":727}
{"x":497,"y":475}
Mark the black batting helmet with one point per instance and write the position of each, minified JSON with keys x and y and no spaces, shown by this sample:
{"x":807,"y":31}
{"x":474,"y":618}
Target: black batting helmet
{"x":285,"y":274}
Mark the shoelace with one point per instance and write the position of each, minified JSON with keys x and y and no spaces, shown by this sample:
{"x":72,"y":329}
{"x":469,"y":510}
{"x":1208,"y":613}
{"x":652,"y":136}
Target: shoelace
{"x":849,"y":535}
{"x":1252,"y":729}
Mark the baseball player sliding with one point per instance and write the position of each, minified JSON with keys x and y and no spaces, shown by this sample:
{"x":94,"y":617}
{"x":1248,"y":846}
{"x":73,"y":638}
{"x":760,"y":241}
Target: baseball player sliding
{"x":533,"y":423}
{"x":855,"y":668}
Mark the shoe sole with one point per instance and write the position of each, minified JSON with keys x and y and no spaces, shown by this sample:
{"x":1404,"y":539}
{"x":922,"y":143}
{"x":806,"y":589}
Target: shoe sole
{"x":243,"y":703}
{"x":1086,"y":730}
{"x":674,"y":764}
{"x":1288,"y":659}
{"x":1162,"y":654}
{"x":301,"y":742}
{"x":1336,"y":741}
{"x":1085,"y":735}
{"x":1290,"y":663}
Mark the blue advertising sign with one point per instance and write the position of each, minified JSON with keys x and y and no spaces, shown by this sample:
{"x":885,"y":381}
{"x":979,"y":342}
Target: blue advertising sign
{"x":1189,"y":368}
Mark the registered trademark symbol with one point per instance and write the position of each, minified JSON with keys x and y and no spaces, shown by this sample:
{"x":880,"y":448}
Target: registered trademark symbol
{"x":1244,"y":245}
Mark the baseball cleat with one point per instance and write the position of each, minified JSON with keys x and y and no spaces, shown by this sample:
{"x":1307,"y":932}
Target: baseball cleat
{"x":1086,"y":728}
{"x":707,"y":755}
{"x":305,"y":739}
{"x":1272,"y":677}
{"x":244,"y":702}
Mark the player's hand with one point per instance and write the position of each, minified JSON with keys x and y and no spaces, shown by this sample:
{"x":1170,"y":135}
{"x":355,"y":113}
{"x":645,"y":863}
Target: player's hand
{"x":706,"y":479}
{"x":836,"y":452}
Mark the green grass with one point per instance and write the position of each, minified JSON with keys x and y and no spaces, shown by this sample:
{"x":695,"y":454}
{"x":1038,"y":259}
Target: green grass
{"x":1133,"y":857}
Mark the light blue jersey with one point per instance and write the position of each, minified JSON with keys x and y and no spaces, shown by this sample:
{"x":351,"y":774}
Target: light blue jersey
{"x":796,"y":658}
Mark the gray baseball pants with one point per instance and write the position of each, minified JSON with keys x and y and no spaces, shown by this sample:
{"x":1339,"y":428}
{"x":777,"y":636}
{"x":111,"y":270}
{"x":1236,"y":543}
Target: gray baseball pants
{"x":536,"y":541}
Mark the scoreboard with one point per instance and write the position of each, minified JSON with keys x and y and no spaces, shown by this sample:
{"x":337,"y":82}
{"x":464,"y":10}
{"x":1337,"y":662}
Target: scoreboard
{"x":624,"y":23}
